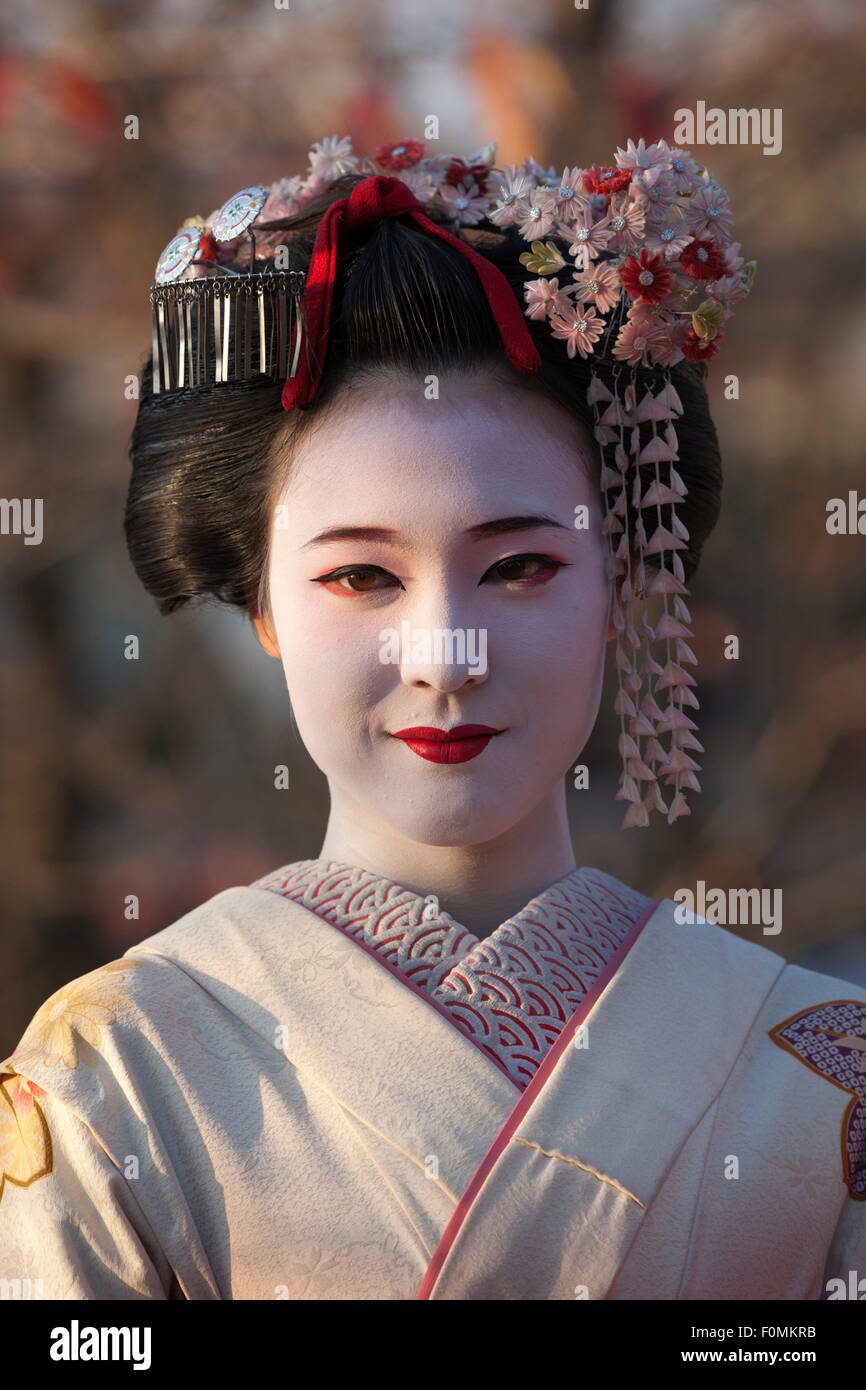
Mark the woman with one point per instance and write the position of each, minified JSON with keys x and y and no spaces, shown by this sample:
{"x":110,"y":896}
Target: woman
{"x":441,"y":1060}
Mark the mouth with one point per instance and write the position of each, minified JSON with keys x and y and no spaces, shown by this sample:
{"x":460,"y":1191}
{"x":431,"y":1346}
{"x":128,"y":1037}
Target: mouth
{"x":457,"y":745}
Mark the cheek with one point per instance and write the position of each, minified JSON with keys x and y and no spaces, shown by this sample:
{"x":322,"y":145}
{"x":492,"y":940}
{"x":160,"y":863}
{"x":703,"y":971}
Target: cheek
{"x":566,"y":640}
{"x":331,"y":666}
{"x":567,"y":664}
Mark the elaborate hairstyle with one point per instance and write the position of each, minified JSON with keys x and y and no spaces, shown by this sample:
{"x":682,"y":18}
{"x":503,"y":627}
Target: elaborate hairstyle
{"x":205,"y":466}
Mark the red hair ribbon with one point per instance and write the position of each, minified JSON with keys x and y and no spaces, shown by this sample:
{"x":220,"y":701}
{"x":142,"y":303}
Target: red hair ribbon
{"x":371,"y":200}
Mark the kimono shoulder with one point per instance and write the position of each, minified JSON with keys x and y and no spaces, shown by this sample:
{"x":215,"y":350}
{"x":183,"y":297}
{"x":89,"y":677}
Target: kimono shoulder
{"x":796,"y":1039}
{"x":216,"y":949}
{"x":757,"y":1070}
{"x":157,"y":1107}
{"x":130,"y":1072}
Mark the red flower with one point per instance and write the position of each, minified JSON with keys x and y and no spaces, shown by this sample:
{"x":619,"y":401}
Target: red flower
{"x":605,"y":179}
{"x":646,"y":278}
{"x":207,"y":250}
{"x":400,"y":154}
{"x":458,"y":170}
{"x":702,"y":261}
{"x":697,"y":349}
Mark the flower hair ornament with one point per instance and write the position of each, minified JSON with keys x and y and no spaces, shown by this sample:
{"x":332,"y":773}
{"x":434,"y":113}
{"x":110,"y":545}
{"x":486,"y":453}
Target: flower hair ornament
{"x":654,"y":277}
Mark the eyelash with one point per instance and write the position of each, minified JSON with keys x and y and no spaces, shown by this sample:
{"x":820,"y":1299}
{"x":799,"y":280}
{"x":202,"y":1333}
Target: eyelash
{"x":334,"y":576}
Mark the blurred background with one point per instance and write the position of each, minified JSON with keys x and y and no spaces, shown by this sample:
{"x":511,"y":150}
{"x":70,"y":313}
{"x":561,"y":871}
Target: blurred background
{"x":155,"y":777}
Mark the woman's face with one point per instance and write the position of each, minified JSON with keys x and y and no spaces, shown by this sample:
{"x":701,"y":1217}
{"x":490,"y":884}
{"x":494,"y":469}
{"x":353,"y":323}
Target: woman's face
{"x":426,"y":571}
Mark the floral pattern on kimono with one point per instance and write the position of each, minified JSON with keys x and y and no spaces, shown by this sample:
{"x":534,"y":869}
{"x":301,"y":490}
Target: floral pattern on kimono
{"x":830,"y":1039}
{"x":74,"y":1014}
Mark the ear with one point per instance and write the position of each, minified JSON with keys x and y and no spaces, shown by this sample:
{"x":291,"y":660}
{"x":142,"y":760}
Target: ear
{"x":264,"y":634}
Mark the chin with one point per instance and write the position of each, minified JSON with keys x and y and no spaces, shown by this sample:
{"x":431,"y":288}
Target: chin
{"x":456,"y":821}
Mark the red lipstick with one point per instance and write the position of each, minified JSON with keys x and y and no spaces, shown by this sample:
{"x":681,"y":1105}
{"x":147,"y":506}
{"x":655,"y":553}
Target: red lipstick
{"x":455,"y":745}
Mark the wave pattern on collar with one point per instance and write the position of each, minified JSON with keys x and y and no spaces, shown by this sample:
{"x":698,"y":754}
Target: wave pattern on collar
{"x":512,"y":992}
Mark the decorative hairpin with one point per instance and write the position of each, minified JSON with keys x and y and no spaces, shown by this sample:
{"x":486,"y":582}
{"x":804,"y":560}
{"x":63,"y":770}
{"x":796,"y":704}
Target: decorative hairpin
{"x":645,"y":236}
{"x":253,"y":317}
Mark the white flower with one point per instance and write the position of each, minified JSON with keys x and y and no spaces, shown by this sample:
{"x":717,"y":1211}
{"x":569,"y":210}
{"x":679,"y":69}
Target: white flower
{"x":418,"y":180}
{"x":332,"y":157}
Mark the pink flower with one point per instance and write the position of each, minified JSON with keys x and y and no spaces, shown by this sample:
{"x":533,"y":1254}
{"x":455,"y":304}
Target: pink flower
{"x":538,"y":171}
{"x":633,"y":343}
{"x":417,"y":180}
{"x":641,"y":156}
{"x":648,"y":316}
{"x":571,"y":197}
{"x":545,"y":298}
{"x":315,"y":184}
{"x":600,"y":285}
{"x":537,"y":214}
{"x":656,"y":191}
{"x":685,"y":170}
{"x":284,"y":199}
{"x":667,"y":348}
{"x":708,"y":213}
{"x":681,"y":285}
{"x":729,"y":290}
{"x":669,"y":241}
{"x":510,"y":207}
{"x":464,"y":201}
{"x":587,"y":237}
{"x":627,"y":220}
{"x":732,"y":258}
{"x":579,"y":329}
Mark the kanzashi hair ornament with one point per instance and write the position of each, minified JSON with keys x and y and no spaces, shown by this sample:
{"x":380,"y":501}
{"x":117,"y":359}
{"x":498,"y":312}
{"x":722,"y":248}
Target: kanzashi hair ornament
{"x":253,"y":316}
{"x":655,"y":275}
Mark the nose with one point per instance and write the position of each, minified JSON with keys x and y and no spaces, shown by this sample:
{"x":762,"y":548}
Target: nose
{"x":438,"y":649}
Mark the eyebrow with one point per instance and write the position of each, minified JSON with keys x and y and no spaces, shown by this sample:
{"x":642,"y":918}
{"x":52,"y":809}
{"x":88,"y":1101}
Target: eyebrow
{"x":499,"y":527}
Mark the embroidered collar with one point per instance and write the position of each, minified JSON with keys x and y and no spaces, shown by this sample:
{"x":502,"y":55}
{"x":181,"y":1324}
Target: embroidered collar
{"x":511,"y":992}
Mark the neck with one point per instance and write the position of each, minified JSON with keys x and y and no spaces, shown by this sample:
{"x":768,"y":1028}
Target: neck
{"x":479,"y":885}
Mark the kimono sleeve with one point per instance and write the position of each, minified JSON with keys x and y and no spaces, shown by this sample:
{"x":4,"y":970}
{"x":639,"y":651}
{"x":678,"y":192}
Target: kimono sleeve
{"x":845,"y":1270}
{"x":70,"y":1224}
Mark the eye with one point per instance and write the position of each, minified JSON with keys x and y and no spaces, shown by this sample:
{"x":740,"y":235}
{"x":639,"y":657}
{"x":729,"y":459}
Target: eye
{"x":359,"y":579}
{"x":527,"y":571}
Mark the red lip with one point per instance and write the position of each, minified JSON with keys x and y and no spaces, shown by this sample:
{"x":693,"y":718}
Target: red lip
{"x":457,"y":745}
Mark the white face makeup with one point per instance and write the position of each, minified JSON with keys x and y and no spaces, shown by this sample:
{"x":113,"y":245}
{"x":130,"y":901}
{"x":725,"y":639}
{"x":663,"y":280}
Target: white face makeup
{"x":420,"y":483}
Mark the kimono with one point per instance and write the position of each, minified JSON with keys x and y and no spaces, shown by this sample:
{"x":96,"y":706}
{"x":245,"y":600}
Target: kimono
{"x":322,"y":1086}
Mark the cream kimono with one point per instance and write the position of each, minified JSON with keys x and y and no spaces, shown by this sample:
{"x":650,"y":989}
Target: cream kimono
{"x":322,"y":1087}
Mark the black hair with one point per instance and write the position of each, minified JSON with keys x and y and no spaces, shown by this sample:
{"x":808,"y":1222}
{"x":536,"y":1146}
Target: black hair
{"x":198,"y":510}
